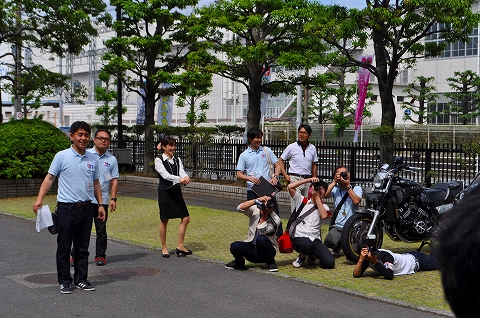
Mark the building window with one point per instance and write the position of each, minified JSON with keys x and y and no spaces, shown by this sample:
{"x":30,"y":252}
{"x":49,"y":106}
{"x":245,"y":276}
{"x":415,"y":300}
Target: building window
{"x":374,"y":98}
{"x":456,"y":49}
{"x":400,"y":98}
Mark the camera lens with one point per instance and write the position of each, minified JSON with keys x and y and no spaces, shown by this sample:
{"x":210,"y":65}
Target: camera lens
{"x":344,"y":175}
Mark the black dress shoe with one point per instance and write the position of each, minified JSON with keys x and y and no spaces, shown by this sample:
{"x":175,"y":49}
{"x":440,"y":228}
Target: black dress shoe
{"x":181,"y":253}
{"x":166,"y":255}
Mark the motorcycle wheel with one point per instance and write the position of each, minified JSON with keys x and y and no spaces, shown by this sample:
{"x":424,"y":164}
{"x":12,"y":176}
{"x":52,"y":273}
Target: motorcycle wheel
{"x":354,"y":231}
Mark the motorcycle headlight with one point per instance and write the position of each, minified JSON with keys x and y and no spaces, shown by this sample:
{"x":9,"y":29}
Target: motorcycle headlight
{"x":378,"y":180}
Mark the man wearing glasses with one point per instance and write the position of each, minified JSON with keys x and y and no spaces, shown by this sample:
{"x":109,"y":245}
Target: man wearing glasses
{"x":108,"y":180}
{"x":302,"y":161}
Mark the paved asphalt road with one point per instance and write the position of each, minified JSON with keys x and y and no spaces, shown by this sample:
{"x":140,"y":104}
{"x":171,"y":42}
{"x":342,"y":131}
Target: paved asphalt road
{"x":139,"y":282}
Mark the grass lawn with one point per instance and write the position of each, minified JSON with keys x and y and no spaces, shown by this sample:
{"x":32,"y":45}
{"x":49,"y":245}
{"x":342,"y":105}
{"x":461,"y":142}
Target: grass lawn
{"x":211,"y":231}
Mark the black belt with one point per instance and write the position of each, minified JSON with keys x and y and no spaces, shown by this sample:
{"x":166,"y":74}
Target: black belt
{"x":305,"y":176}
{"x":76,"y":204}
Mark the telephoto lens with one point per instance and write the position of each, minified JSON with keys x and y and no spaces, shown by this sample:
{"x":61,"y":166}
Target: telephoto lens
{"x":344,"y":175}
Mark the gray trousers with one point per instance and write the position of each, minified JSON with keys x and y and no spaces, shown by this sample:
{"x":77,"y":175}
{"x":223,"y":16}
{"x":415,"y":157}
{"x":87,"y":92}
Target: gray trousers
{"x":332,"y":240}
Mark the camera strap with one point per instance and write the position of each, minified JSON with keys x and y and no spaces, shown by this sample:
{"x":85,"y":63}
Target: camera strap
{"x":337,"y":209}
{"x":298,"y":220}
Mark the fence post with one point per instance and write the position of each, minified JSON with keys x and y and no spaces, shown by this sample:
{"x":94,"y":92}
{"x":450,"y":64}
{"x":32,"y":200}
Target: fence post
{"x":428,"y":167}
{"x":353,"y":163}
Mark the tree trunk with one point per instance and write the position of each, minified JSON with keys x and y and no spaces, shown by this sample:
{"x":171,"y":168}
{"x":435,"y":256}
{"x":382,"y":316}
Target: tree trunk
{"x":148,"y":156}
{"x":254,"y":100}
{"x":386,"y":71}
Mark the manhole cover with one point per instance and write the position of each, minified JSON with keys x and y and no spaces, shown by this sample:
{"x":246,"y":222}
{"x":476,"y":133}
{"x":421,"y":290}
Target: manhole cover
{"x":49,"y":278}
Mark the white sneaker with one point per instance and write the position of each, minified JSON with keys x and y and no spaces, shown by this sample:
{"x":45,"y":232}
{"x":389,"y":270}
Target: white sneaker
{"x":298,"y":262}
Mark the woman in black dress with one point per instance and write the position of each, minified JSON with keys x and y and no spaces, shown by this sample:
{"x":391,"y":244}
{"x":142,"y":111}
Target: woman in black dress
{"x":170,"y":200}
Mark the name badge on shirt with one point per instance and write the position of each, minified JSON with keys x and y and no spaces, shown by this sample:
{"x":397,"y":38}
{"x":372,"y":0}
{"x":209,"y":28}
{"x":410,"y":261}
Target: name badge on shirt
{"x":89,"y":186}
{"x":107,"y":176}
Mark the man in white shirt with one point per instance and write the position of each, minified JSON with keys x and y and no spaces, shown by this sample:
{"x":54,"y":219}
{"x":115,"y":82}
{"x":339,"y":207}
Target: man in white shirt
{"x":302,"y":161}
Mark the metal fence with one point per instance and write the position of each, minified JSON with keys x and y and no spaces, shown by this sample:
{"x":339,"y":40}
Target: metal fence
{"x":217,"y":159}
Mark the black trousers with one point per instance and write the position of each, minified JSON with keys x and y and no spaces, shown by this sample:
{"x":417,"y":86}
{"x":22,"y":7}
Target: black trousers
{"x":74,"y":226}
{"x":101,"y":230}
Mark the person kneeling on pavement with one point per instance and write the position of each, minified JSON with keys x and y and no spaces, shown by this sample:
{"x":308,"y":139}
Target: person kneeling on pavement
{"x":307,"y":238}
{"x":261,"y":245}
{"x":390,"y":264}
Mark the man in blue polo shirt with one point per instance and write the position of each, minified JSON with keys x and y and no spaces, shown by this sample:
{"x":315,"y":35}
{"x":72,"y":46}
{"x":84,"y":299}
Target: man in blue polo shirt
{"x":109,"y":180}
{"x":302,"y":161}
{"x":78,"y":181}
{"x":339,"y":188}
{"x":253,"y":164}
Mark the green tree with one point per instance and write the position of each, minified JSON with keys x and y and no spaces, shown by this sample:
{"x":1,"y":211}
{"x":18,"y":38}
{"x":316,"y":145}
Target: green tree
{"x":34,"y":83}
{"x":254,"y":37}
{"x":195,"y":85}
{"x":148,"y":52}
{"x":53,"y":26}
{"x":397,"y":30}
{"x":464,"y":97}
{"x":426,"y":97}
{"x":106,"y":95}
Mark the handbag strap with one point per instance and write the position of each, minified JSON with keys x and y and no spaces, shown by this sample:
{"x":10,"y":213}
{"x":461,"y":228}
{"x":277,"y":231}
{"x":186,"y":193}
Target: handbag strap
{"x":297,"y":212}
{"x":299,"y":219}
{"x":270,"y":166}
{"x":337,"y":209}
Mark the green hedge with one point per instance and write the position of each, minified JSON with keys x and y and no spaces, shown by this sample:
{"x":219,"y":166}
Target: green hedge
{"x":27,"y":148}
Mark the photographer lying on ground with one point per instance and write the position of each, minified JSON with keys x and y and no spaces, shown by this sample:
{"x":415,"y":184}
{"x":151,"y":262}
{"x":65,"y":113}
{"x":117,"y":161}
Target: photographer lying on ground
{"x":390,"y":264}
{"x":307,"y":238}
{"x":261,"y":244}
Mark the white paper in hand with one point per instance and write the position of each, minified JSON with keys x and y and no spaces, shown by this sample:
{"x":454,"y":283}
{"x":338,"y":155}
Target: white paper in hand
{"x":44,"y":218}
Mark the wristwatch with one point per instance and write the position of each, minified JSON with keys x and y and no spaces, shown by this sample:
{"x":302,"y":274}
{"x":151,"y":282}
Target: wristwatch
{"x":275,"y":176}
{"x":114,"y":199}
{"x":349,"y":187}
{"x":101,"y":205}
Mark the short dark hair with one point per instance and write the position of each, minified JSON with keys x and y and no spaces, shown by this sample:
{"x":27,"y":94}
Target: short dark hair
{"x":104,"y":130}
{"x":80,"y":125}
{"x":167,"y":140}
{"x":320,"y":184}
{"x":458,"y":255}
{"x":307,"y":128}
{"x":253,"y":133}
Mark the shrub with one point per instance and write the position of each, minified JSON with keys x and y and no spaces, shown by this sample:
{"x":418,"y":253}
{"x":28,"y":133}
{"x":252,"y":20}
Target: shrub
{"x":27,"y":148}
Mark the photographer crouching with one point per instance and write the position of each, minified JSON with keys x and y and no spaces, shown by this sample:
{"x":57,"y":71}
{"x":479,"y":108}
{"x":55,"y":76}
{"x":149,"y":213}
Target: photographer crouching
{"x":390,"y":264}
{"x":261,"y":245}
{"x":346,"y":199}
{"x":307,"y":236}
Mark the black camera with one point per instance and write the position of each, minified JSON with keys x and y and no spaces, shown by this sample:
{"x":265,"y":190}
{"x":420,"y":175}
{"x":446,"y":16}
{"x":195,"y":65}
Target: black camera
{"x":372,"y":247}
{"x":344,"y":175}
{"x":262,"y":206}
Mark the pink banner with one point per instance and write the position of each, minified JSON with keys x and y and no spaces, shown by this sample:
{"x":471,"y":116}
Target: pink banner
{"x":363,"y":79}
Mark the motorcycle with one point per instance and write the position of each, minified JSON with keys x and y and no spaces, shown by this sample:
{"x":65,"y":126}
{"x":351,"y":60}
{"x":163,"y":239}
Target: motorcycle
{"x":399,"y":207}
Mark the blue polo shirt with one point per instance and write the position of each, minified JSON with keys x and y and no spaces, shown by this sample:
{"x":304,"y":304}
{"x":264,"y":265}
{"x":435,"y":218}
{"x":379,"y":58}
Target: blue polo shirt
{"x":108,"y":166}
{"x":255,"y":163}
{"x":348,"y":208}
{"x":75,"y":173}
